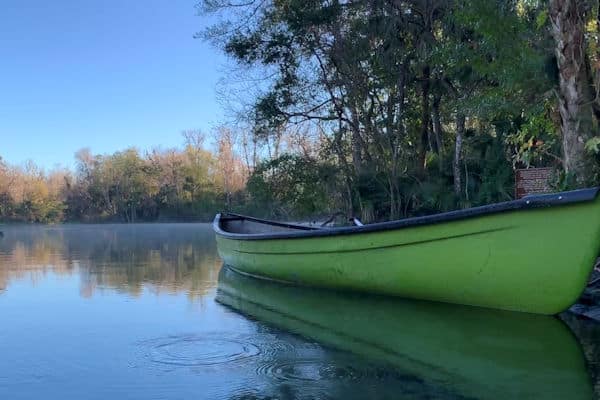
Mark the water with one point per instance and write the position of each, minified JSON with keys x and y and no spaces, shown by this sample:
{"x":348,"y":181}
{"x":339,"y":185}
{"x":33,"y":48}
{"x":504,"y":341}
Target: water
{"x":146,"y":312}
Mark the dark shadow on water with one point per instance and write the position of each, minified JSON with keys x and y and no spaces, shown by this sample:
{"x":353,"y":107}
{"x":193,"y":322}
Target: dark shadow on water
{"x":448,"y":351}
{"x":588,"y":333}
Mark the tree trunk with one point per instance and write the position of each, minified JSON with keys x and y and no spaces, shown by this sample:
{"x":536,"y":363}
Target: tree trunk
{"x":395,"y":134}
{"x":356,"y":142}
{"x":277,"y":144}
{"x":254,"y":152}
{"x":460,"y":132}
{"x":575,"y":102}
{"x":346,"y":169}
{"x":437,"y":123}
{"x":425,"y":115}
{"x":437,"y":128}
{"x":395,"y":204}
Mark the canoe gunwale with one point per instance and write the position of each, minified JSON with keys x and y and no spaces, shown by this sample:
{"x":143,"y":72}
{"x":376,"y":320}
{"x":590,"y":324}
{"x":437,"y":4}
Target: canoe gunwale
{"x":302,"y":231}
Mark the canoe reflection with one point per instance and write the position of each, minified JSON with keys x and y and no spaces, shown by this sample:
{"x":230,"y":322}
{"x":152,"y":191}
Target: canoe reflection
{"x":472,"y":351}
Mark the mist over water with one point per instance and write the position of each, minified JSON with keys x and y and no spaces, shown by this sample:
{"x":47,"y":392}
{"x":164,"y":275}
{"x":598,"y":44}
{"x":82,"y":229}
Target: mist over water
{"x":146,"y":312}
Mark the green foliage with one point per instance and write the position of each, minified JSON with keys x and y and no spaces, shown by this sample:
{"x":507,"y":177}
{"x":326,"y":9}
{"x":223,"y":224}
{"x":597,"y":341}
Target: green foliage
{"x":541,"y":19}
{"x":123,"y":186}
{"x":292,"y":186}
{"x":385,"y":82}
{"x":489,"y":172}
{"x":535,"y":141}
{"x":593,"y":145}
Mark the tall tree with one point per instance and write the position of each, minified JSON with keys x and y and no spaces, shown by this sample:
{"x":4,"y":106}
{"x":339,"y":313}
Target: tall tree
{"x":568,"y":18}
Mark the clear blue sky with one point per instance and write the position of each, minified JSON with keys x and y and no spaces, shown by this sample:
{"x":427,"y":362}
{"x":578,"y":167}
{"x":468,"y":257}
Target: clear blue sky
{"x":103,"y":74}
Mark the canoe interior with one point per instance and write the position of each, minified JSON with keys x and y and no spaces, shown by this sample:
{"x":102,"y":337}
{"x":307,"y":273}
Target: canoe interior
{"x":242,"y":227}
{"x":240,"y":224}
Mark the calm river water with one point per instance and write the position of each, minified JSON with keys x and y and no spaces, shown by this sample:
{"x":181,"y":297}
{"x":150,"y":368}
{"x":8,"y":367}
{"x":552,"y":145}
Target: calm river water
{"x":145,"y":312}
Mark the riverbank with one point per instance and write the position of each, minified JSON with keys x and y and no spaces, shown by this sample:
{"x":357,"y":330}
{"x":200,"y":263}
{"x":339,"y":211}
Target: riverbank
{"x":588,"y":304}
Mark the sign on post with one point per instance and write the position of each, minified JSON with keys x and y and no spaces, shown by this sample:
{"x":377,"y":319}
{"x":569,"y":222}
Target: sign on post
{"x":532,"y":181}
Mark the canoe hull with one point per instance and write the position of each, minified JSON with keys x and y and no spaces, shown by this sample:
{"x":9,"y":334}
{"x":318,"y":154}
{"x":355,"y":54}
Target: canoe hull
{"x":535,"y":260}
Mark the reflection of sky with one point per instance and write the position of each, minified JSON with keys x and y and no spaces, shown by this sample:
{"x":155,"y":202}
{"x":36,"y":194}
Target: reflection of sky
{"x":56,"y":345}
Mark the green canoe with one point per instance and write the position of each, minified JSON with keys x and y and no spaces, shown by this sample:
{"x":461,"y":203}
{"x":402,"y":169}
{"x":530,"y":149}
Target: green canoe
{"x":470,"y":351}
{"x":533,"y":255}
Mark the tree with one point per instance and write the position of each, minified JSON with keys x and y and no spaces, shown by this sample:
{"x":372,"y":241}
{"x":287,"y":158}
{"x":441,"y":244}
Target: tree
{"x":568,"y":18}
{"x":395,"y":87}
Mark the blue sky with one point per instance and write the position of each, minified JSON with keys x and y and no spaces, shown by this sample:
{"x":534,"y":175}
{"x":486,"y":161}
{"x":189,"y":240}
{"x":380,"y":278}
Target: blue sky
{"x":103,"y":74}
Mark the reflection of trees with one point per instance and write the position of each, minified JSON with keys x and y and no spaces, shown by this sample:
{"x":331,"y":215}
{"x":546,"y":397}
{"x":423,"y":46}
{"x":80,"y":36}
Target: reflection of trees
{"x":163,"y":258}
{"x":23,"y":256}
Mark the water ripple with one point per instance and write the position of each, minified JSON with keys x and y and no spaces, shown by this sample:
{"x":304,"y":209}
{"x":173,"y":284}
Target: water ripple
{"x":198,"y":351}
{"x":310,"y":370}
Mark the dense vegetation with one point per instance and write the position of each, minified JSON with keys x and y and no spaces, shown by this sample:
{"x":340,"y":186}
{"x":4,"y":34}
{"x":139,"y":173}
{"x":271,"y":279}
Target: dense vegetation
{"x":377,"y":108}
{"x":420,"y":105}
{"x":188,"y":183}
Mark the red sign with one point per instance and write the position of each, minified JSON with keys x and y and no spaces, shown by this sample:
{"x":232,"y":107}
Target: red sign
{"x":532,"y":181}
